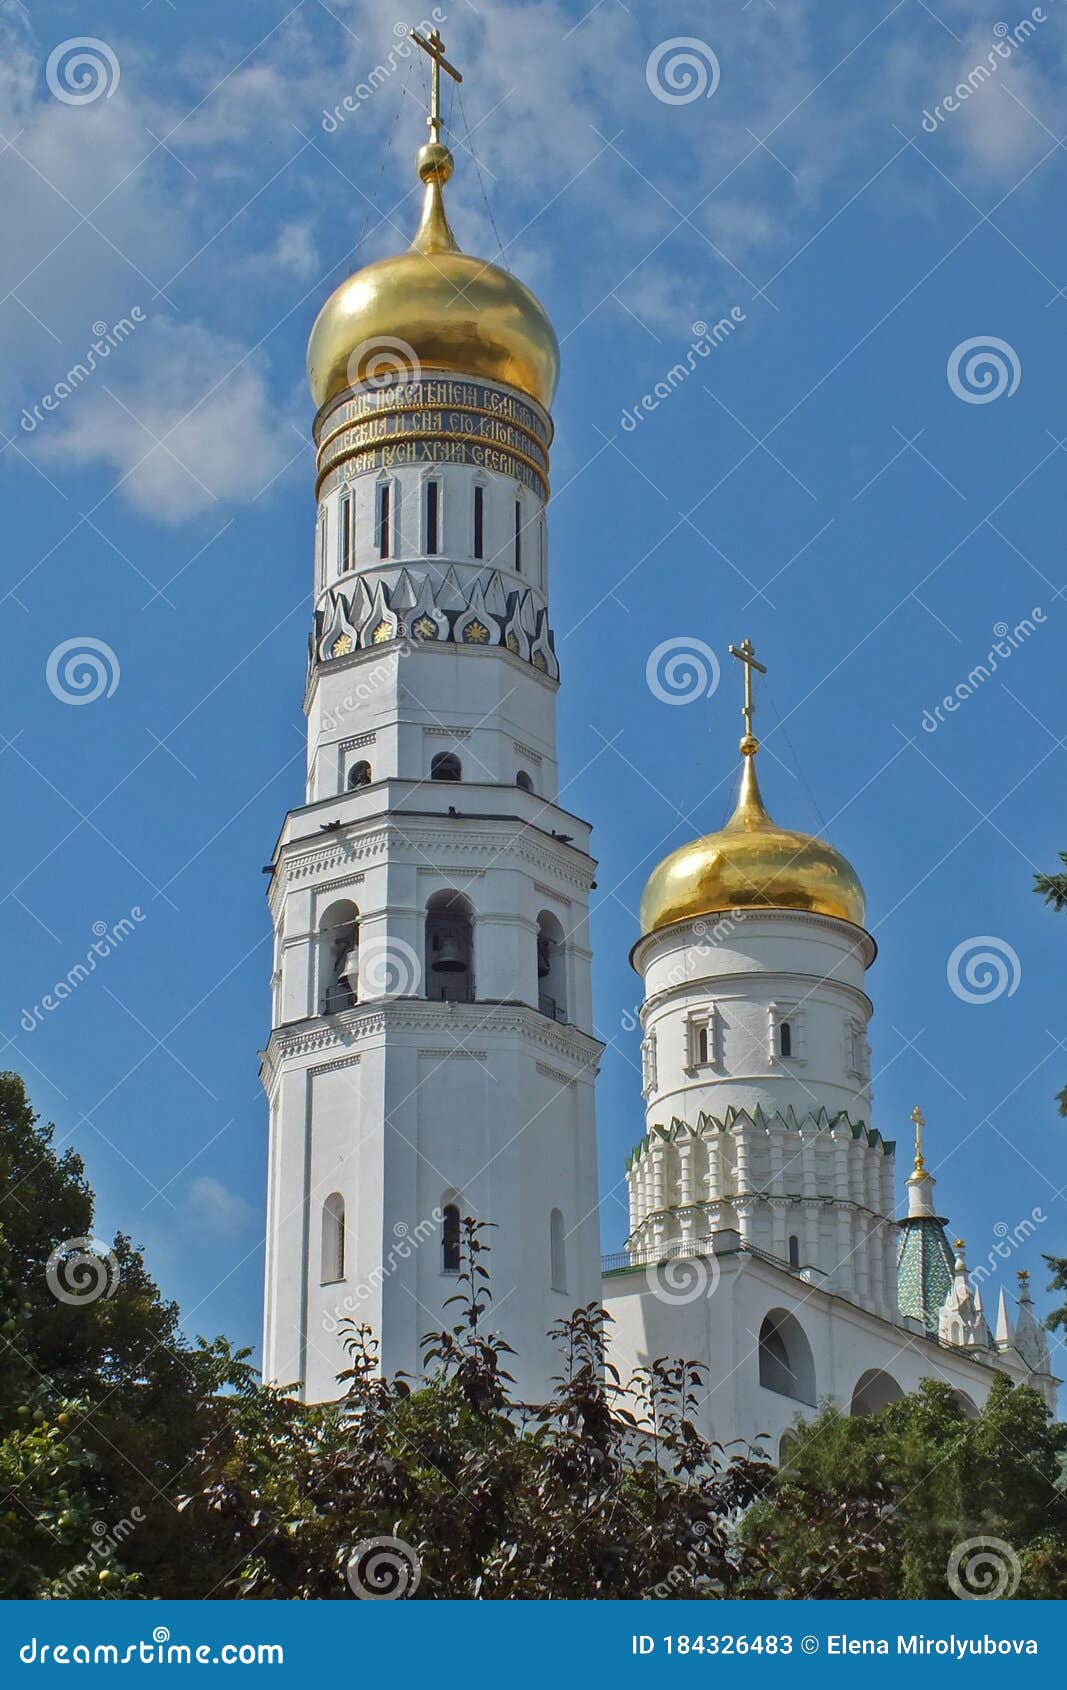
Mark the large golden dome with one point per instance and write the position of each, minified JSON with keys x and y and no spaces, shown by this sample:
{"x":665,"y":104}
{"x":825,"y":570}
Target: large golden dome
{"x":751,"y":863}
{"x":433,"y":308}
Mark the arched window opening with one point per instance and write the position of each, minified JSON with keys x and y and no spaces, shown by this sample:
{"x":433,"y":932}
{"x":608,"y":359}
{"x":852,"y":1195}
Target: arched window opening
{"x":346,"y":534}
{"x":333,"y":1239}
{"x":551,"y":968}
{"x":703,"y":1044}
{"x":358,"y":775}
{"x":338,"y":958}
{"x":785,"y":1359}
{"x":524,"y":781}
{"x":449,"y":949}
{"x":557,"y":1243}
{"x":446,"y":766}
{"x":383,"y":518}
{"x":433,"y":507}
{"x":874,"y":1391}
{"x":794,"y":1250}
{"x":785,"y":1039}
{"x":450,"y":1238}
{"x":479,"y":521}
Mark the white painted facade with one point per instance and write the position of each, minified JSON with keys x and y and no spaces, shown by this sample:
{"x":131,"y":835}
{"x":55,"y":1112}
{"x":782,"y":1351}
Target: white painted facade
{"x":389,"y":1104}
{"x":762,"y":1234}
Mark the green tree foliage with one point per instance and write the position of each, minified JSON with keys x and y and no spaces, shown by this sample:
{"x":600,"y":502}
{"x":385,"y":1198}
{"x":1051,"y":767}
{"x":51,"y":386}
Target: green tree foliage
{"x":874,"y":1507}
{"x":135,"y":1464}
{"x":102,"y":1402}
{"x":598,"y":1493}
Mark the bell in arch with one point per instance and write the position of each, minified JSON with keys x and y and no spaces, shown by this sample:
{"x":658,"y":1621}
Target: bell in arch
{"x":544,"y":960}
{"x":350,"y":969}
{"x":448,"y":955}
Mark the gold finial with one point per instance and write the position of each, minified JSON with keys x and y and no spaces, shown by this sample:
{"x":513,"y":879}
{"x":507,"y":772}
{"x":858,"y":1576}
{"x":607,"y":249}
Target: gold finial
{"x":1024,"y":1274}
{"x":746,"y":654}
{"x":434,"y":163}
{"x":919,"y":1120}
{"x":959,"y":1244}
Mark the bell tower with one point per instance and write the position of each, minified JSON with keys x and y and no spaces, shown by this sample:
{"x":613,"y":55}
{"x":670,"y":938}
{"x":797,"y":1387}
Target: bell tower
{"x":431,"y":1053}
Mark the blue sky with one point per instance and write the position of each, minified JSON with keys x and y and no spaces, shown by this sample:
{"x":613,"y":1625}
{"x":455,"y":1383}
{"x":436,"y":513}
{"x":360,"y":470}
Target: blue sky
{"x":818,"y":483}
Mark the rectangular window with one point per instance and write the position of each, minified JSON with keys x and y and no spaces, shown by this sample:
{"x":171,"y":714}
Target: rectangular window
{"x":383,"y":520}
{"x":479,"y":522}
{"x":433,"y":492}
{"x":346,"y":534}
{"x":518,"y":536}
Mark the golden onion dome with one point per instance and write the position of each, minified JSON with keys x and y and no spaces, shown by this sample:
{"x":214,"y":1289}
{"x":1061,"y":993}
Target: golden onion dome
{"x":432,"y":308}
{"x":751,"y":863}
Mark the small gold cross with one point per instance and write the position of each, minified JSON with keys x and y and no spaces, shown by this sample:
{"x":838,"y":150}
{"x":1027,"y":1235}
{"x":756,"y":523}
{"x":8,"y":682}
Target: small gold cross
{"x":435,"y":47}
{"x":746,"y":654}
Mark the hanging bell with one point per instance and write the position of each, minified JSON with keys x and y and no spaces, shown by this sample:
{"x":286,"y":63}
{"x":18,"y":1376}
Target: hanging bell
{"x":544,"y":961}
{"x":350,"y":970}
{"x":448,"y":956}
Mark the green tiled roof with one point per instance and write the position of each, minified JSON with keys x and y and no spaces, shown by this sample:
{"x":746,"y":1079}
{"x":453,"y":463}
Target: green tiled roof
{"x":924,"y":1269}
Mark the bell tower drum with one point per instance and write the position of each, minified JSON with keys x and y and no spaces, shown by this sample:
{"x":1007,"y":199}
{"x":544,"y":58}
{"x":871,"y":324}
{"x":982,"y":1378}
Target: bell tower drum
{"x":431,"y":1051}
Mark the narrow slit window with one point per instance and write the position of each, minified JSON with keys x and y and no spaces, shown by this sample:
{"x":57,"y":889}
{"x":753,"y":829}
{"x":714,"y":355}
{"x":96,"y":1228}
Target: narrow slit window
{"x":702,"y":1044}
{"x":518,"y":536}
{"x":433,"y":499}
{"x":794,"y":1250}
{"x":479,"y":522}
{"x":451,"y":1255}
{"x":383,"y":519}
{"x":785,"y":1039}
{"x":346,"y":534}
{"x":322,"y":549}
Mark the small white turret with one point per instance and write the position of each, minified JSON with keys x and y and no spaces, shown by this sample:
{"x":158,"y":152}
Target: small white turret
{"x":961,"y":1321}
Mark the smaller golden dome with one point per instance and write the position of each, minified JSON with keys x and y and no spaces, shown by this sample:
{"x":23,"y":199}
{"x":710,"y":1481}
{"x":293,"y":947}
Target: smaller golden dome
{"x":751,"y":863}
{"x":431,"y":309}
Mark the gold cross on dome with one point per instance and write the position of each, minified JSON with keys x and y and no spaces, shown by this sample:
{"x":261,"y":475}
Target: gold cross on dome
{"x":919,"y":1119}
{"x":746,"y":654}
{"x":435,"y":48}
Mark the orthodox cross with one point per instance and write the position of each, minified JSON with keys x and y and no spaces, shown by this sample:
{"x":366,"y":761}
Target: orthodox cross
{"x":746,"y":653}
{"x":919,"y":1120}
{"x":435,"y":48}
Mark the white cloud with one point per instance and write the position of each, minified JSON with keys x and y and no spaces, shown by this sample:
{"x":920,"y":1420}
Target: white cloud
{"x":183,"y":418}
{"x":215,"y":1207}
{"x":295,"y":251}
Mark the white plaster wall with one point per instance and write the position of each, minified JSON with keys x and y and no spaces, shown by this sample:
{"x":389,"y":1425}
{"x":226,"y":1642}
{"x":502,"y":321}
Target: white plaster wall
{"x":721,"y":1330}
